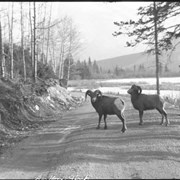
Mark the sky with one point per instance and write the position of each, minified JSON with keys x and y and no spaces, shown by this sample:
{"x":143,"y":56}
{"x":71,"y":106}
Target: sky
{"x":95,"y":21}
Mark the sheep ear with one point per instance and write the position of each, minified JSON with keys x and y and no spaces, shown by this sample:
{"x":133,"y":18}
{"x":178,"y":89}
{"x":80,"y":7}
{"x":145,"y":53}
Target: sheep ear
{"x":88,"y":92}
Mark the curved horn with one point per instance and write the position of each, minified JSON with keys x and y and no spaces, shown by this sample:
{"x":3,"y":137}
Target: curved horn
{"x":88,"y":92}
{"x":139,"y":90}
{"x":98,"y":92}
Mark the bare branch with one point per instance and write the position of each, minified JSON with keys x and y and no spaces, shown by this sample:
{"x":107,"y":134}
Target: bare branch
{"x":50,"y":25}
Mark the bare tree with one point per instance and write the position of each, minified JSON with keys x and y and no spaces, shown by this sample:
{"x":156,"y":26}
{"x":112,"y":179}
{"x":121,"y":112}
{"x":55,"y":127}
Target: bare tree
{"x":71,"y":38}
{"x":53,"y":55}
{"x":35,"y":60}
{"x":31,"y":36}
{"x":54,"y":38}
{"x":22,"y":42}
{"x":11,"y":45}
{"x":1,"y":51}
{"x":67,"y":43}
{"x":74,"y":45}
{"x":3,"y":67}
{"x":64,"y":34}
{"x":63,"y":29}
{"x":43,"y":40}
{"x":48,"y":36}
{"x":156,"y":47}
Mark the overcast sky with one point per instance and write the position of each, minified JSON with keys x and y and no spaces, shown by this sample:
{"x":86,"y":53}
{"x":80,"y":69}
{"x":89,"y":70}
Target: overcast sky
{"x":95,"y":22}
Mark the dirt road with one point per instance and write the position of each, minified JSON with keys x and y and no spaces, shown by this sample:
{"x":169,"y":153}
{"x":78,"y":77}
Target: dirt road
{"x":72,"y":147}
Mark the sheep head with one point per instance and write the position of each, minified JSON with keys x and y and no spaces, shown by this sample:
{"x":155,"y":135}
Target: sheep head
{"x":135,"y":89}
{"x":97,"y":94}
{"x":94,"y":95}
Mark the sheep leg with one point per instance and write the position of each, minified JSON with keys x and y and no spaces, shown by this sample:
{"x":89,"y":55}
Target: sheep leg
{"x":140,"y":117}
{"x":100,"y":116}
{"x":162,"y":120}
{"x":164,"y":114}
{"x":122,"y":118}
{"x":105,"y":116}
{"x":167,"y":121}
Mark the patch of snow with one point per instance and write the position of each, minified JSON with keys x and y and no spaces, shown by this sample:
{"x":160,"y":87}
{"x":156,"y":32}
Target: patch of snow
{"x":37,"y":107}
{"x":150,"y":81}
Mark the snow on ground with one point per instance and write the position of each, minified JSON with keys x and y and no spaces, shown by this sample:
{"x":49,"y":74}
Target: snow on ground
{"x":123,"y":89}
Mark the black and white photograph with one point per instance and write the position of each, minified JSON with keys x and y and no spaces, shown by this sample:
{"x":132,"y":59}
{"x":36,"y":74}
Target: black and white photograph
{"x":89,"y":90}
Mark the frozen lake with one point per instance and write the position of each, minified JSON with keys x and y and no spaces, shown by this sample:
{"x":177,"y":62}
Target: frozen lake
{"x":123,"y":89}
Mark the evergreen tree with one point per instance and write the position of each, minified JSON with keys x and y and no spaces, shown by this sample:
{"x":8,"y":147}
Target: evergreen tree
{"x":90,"y":67}
{"x":95,"y":67}
{"x":89,"y":62}
{"x":142,"y":30}
{"x":79,"y":69}
{"x":152,"y":29}
{"x":86,"y":71}
{"x":166,"y":69}
{"x":116,"y":71}
{"x":160,"y":68}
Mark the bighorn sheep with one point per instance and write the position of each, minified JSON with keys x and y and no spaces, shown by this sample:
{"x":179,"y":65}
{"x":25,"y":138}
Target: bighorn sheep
{"x":142,"y":102}
{"x":106,"y":105}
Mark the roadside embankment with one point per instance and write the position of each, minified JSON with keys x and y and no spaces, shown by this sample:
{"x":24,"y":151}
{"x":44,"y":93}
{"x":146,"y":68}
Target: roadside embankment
{"x":26,"y":107}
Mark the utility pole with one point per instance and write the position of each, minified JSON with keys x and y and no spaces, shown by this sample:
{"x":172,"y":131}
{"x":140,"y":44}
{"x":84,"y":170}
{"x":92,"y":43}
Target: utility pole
{"x":35,"y":62}
{"x":156,"y":48}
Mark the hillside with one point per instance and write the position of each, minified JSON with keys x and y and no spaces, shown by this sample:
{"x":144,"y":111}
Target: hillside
{"x":26,"y":107}
{"x":128,"y":61}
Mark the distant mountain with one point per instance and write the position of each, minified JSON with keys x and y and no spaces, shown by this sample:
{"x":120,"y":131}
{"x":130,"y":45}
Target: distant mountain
{"x":131,"y":60}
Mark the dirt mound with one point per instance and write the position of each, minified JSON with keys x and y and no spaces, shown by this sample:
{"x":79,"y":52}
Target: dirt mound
{"x":24,"y":107}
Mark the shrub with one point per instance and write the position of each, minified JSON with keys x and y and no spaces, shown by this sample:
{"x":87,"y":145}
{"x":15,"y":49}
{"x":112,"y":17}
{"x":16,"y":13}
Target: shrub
{"x":45,"y":71}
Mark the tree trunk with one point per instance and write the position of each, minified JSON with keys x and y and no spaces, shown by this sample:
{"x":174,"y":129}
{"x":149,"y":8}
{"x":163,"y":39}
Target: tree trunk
{"x":35,"y":61}
{"x":61,"y":64}
{"x":31,"y":32}
{"x":3,"y":62}
{"x":69,"y":54}
{"x":156,"y":48}
{"x":54,"y":59}
{"x":2,"y":59}
{"x":48,"y":34}
{"x":69,"y":68}
{"x":1,"y":51}
{"x":43,"y":58}
{"x":22,"y":43}
{"x":12,"y":58}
